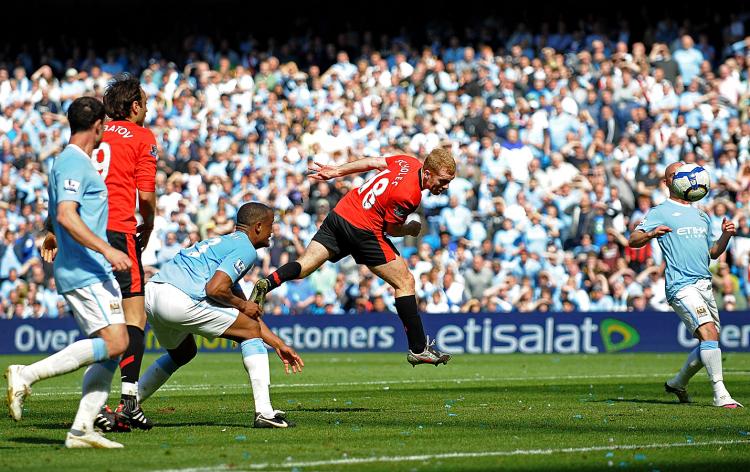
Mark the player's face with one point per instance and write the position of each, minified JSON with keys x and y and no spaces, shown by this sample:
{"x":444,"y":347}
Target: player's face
{"x":264,"y":231}
{"x":438,"y":182}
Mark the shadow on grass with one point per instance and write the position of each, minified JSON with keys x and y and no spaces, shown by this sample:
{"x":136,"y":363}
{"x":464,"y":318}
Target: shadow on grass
{"x":336,"y":410}
{"x":33,"y":440}
{"x":640,"y":400}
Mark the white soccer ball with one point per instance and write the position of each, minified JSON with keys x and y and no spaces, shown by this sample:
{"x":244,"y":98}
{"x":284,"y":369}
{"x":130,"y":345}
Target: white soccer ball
{"x":691,"y":182}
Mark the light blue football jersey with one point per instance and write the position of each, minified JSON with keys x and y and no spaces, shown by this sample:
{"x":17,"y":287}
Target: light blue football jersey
{"x":192,"y":268}
{"x":686,"y":248}
{"x":73,"y":178}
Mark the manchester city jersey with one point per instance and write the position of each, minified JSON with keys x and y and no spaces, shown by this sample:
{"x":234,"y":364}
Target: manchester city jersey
{"x":686,"y":248}
{"x":192,"y":268}
{"x":73,"y":178}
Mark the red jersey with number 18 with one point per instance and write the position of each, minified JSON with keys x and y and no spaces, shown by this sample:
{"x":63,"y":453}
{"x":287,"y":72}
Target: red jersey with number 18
{"x":388,"y":197}
{"x":126,"y":159}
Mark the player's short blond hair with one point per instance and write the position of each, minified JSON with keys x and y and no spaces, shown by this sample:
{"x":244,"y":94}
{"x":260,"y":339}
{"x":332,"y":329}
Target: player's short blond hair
{"x":440,"y":159}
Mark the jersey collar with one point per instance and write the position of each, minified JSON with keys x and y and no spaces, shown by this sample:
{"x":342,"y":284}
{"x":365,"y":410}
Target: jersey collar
{"x":421,"y":180}
{"x":674,"y":202}
{"x":75,"y":146}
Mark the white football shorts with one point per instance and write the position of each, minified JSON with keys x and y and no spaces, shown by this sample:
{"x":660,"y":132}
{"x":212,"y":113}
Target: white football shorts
{"x":695,"y":305}
{"x":96,"y":306}
{"x":173,"y":315}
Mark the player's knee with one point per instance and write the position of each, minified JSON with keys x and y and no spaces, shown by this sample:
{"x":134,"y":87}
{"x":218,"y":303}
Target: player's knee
{"x":184,"y":353}
{"x":251,"y":332}
{"x":404,"y":282}
{"x":116,"y":346}
{"x":708,"y":332}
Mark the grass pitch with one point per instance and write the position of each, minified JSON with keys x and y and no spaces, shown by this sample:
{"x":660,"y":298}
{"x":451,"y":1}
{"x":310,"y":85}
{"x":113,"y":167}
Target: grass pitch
{"x":374,"y":412}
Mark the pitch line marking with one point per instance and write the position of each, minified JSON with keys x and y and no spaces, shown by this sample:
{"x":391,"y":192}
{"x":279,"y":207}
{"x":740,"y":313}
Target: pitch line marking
{"x":459,"y":455}
{"x":40,"y":391}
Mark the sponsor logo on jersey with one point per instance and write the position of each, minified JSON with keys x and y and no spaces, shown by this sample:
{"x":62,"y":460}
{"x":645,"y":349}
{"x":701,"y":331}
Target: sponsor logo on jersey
{"x":71,"y":186}
{"x":692,"y":231}
{"x":400,"y":211}
{"x":154,"y":151}
{"x":239,"y":266}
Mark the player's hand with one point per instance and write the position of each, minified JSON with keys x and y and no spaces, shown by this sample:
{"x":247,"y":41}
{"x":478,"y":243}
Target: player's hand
{"x":727,"y":227}
{"x":253,"y":310}
{"x":413,"y":228}
{"x":290,"y":358}
{"x":322,"y":173}
{"x":120,"y":261}
{"x":660,"y":231}
{"x":143,"y":235}
{"x":49,"y":248}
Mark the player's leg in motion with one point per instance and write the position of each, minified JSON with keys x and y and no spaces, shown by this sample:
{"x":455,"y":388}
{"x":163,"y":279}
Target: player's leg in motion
{"x":130,"y":365}
{"x":160,"y":371}
{"x":246,"y":331}
{"x":397,"y":274}
{"x":696,"y":306}
{"x":678,"y":384}
{"x":98,"y":353}
{"x":710,"y":354}
{"x":314,"y":256}
{"x":128,"y":413}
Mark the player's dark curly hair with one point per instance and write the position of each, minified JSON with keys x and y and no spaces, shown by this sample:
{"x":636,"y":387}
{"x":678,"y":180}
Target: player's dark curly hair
{"x":83,"y":113}
{"x":120,"y":94}
{"x":252,"y":212}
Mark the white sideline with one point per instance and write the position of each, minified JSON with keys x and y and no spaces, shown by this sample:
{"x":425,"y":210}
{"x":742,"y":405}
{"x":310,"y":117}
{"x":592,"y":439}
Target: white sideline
{"x":44,"y":391}
{"x":458,"y":455}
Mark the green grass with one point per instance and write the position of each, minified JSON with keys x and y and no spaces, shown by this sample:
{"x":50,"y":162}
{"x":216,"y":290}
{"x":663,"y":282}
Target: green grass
{"x":370,"y":405}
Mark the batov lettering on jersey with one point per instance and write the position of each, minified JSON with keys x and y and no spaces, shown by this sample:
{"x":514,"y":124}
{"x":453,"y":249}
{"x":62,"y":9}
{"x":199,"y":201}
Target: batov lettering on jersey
{"x":404,"y":165}
{"x":692,"y":231}
{"x":121,"y":130}
{"x":71,"y":186}
{"x":239,"y":267}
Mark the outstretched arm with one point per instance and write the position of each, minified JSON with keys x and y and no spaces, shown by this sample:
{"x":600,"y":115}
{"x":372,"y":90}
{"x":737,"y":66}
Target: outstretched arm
{"x":318,"y":172}
{"x":639,"y":238}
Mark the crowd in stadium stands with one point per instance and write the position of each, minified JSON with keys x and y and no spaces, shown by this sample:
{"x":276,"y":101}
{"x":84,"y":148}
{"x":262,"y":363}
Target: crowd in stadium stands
{"x":561,"y":139}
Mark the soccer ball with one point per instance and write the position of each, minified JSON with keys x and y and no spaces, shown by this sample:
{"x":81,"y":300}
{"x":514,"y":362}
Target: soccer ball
{"x":691,"y":182}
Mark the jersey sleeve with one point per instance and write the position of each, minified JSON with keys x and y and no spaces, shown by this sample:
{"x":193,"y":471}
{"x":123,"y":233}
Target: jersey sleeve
{"x":70,"y":184}
{"x":651,"y":221}
{"x":238,"y":260}
{"x":145,"y":167}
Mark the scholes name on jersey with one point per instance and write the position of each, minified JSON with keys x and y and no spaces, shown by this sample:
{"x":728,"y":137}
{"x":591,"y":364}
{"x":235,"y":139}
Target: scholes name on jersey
{"x":402,"y":172}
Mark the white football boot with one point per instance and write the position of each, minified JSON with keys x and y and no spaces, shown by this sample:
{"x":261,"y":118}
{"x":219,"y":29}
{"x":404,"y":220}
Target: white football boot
{"x":90,"y":439}
{"x":18,"y":390}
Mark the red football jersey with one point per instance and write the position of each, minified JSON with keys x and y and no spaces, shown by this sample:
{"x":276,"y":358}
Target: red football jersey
{"x":388,"y":197}
{"x":126,"y":158}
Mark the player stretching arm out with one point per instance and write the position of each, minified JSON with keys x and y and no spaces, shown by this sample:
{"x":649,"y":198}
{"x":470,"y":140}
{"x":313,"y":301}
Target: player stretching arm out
{"x":684,"y":235}
{"x":358,"y":224}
